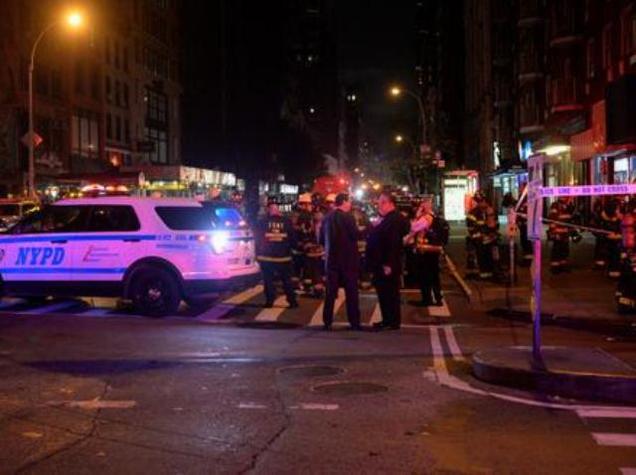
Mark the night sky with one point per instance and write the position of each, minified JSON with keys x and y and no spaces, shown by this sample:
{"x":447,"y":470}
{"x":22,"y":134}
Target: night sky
{"x":375,"y":46}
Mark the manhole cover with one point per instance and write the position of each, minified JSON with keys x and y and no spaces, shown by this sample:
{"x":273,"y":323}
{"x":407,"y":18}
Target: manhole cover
{"x":268,"y":325}
{"x":310,"y":371}
{"x":350,"y":389}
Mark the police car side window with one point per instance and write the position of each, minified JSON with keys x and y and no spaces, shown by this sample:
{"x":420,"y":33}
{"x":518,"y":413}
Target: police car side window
{"x":53,"y":219}
{"x":113,"y":218}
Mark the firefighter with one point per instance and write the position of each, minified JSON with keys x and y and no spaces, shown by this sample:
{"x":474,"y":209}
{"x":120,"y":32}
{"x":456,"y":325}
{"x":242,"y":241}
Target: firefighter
{"x":475,"y":221}
{"x":312,"y":252}
{"x":275,"y":239}
{"x":428,"y":241}
{"x":363,"y":224}
{"x":611,"y":218}
{"x":561,"y":210}
{"x":488,"y":255}
{"x":522,"y":225}
{"x":600,"y":242}
{"x":626,"y":288}
{"x":303,"y":227}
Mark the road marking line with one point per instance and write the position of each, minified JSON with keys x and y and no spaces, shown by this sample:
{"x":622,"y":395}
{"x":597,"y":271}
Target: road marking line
{"x":311,"y":406}
{"x":96,"y":404}
{"x":272,"y":314}
{"x":376,"y":316}
{"x":442,"y":311}
{"x":251,"y":405}
{"x":462,"y":283}
{"x":452,"y":344}
{"x":628,"y":471}
{"x":54,"y":307}
{"x":608,"y":413}
{"x":316,"y":318}
{"x":614,"y":440}
{"x":225,"y":307}
{"x":439,"y":363}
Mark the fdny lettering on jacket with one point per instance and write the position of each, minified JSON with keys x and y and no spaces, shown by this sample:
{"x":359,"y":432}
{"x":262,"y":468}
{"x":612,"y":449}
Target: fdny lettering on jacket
{"x":40,"y":256}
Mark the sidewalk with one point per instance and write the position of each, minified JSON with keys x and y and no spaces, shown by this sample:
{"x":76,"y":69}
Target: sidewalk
{"x":581,"y":298}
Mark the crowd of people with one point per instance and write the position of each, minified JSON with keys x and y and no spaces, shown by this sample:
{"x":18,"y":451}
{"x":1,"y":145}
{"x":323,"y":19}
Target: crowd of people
{"x":325,"y":245}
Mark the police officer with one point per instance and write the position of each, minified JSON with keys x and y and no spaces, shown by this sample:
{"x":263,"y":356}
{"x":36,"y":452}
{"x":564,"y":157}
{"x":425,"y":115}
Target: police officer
{"x":611,"y":218}
{"x":275,"y":240}
{"x":427,"y":248}
{"x":362,"y":222}
{"x":561,"y":210}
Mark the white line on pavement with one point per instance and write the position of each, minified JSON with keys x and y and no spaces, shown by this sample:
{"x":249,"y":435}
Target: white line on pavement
{"x":272,"y":314}
{"x":439,"y":363}
{"x":96,"y":404}
{"x":628,"y":471}
{"x":452,"y":344}
{"x":316,"y":318}
{"x":442,"y":311}
{"x":225,"y":307}
{"x":462,"y":283}
{"x":608,"y":413}
{"x":614,"y":439}
{"x":311,"y":406}
{"x":251,"y":405}
{"x":54,"y":307}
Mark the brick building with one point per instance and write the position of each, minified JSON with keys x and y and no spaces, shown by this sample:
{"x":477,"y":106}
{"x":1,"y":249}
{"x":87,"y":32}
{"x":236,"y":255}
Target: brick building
{"x":106,"y":97}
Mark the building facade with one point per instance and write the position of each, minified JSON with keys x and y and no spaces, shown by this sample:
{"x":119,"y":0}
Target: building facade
{"x":106,"y":97}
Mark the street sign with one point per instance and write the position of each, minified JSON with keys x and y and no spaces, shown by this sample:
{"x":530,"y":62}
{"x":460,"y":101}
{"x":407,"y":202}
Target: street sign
{"x":37,"y":140}
{"x":535,"y":201}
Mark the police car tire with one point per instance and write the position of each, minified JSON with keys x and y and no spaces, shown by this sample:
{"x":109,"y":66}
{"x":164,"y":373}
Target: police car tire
{"x":148,"y":275}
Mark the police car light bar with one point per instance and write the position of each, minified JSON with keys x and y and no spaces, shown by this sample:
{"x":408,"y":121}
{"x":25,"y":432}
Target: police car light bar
{"x":587,"y":190}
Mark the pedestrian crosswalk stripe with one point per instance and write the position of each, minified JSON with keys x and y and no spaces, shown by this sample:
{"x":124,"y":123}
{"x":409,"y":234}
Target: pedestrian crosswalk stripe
{"x":272,"y":314}
{"x":219,"y":310}
{"x":614,"y":439}
{"x":316,"y":318}
{"x":452,"y":344}
{"x":51,"y":308}
{"x":607,"y":413}
{"x":442,"y":311}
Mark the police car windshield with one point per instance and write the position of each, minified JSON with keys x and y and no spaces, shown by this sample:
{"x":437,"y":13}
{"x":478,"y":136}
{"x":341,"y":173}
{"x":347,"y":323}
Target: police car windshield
{"x":9,"y":210}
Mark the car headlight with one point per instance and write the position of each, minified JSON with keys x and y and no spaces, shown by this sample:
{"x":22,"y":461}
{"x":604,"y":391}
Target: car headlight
{"x":220,"y":240}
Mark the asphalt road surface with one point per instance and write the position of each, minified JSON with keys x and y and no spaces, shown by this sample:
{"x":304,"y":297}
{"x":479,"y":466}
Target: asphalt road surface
{"x":86,"y":387}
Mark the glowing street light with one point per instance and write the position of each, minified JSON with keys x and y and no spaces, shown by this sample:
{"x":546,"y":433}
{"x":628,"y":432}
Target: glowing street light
{"x":399,"y":139}
{"x":395,"y":91}
{"x":73,"y":20}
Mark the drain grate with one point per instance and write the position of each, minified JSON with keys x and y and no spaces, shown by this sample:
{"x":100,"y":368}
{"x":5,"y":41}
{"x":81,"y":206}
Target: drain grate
{"x":350,"y":388}
{"x":310,"y":371}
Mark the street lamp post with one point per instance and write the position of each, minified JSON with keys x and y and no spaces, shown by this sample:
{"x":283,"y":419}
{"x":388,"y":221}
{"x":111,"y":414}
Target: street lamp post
{"x":74,"y":20}
{"x":397,"y":91}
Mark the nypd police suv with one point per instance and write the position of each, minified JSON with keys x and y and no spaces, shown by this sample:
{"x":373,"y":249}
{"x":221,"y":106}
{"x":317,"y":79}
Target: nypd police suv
{"x":154,"y":252}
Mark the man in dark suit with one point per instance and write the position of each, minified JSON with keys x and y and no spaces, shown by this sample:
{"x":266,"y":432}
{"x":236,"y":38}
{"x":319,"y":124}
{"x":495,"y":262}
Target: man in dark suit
{"x":339,"y":236}
{"x":384,"y":257}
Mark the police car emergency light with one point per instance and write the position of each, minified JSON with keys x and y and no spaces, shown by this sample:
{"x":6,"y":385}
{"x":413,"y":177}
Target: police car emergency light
{"x":154,"y":252}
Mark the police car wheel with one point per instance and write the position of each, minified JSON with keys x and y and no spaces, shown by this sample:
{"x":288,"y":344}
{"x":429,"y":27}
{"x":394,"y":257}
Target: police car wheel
{"x":155,"y":292}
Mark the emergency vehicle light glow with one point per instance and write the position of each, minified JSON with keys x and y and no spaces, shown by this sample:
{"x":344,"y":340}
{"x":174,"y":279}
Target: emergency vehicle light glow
{"x":220,"y":240}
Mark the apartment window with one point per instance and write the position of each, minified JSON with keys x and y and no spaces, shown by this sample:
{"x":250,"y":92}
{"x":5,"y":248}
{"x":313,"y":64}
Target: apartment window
{"x":79,"y":77}
{"x":117,"y":54}
{"x":85,"y":134}
{"x":156,"y":107}
{"x":109,"y":90}
{"x":109,"y":126}
{"x":125,"y":55}
{"x":607,"y":47}
{"x":56,"y":84}
{"x":107,"y":52}
{"x":126,"y":130}
{"x":118,"y":128}
{"x":117,"y":93}
{"x":126,"y":95}
{"x":591,"y":59}
{"x":95,"y":83}
{"x":160,"y":138}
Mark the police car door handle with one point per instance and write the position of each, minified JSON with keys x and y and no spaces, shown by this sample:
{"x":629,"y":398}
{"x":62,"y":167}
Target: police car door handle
{"x":132,"y":240}
{"x":59,"y":241}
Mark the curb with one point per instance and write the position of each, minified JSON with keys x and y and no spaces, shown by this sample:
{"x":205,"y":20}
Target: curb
{"x":583,"y":385}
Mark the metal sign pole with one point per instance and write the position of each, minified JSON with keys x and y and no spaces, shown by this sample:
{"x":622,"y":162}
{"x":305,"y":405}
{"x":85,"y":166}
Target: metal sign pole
{"x":535,"y":224}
